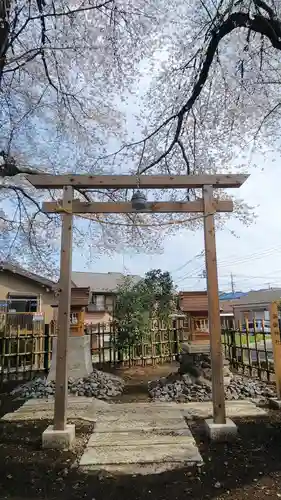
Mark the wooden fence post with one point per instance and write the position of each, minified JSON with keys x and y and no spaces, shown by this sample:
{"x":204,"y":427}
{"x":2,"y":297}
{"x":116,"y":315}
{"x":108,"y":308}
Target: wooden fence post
{"x":46,"y":347}
{"x":219,"y":415}
{"x":64,"y":312}
{"x":276,"y":345}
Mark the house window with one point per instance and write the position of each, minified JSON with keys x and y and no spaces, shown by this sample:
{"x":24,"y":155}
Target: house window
{"x":99,"y":302}
{"x":22,"y":304}
{"x":109,"y":303}
{"x":73,"y":318}
{"x":201,"y":325}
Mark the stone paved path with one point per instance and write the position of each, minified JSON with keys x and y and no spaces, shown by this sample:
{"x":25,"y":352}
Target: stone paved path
{"x":37,"y":409}
{"x":86,"y":408}
{"x":148,"y":437}
{"x":141,"y":436}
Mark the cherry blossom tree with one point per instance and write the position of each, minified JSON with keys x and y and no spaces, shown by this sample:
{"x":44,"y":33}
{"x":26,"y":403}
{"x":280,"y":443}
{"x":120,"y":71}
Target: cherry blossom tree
{"x":218,"y":91}
{"x":64,"y":67}
{"x":215,"y":101}
{"x":182,"y":87}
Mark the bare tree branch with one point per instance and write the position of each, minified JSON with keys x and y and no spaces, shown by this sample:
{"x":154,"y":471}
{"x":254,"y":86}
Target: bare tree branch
{"x":71,"y":12}
{"x":4,"y":32}
{"x":265,"y":118}
{"x":184,"y":155}
{"x":18,"y":189}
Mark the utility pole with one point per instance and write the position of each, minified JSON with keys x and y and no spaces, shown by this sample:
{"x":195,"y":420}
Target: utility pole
{"x":204,"y":275}
{"x":232,"y":283}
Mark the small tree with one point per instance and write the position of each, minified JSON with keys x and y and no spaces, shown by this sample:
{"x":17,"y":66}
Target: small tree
{"x":131,"y":313}
{"x":160,"y":288}
{"x":138,"y":304}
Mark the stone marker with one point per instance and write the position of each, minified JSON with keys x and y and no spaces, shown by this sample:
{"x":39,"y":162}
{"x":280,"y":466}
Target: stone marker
{"x":79,"y":358}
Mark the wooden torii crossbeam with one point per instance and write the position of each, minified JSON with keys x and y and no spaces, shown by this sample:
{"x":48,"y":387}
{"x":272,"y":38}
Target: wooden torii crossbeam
{"x":69,"y":206}
{"x":133,"y":181}
{"x":163,"y":207}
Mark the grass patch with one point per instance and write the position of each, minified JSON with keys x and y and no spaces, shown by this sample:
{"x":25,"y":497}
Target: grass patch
{"x":244,"y":338}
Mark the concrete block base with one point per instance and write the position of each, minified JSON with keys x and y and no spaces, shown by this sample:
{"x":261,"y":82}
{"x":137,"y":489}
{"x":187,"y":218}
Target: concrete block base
{"x":79,"y":358}
{"x":58,"y":440}
{"x":275,"y":403}
{"x":221,"y":432}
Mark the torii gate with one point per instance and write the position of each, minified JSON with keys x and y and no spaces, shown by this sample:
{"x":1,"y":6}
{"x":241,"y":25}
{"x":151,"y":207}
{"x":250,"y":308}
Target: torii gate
{"x":207,"y":205}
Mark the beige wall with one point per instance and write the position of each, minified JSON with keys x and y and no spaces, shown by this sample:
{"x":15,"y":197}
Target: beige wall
{"x":13,"y":283}
{"x":97,"y":317}
{"x":91,"y":318}
{"x":256,"y":312}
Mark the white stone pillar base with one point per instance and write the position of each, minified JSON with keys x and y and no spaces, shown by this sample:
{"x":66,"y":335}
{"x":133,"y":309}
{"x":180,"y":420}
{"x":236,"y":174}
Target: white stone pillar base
{"x":79,"y":358}
{"x":58,"y":440}
{"x":221,"y":432}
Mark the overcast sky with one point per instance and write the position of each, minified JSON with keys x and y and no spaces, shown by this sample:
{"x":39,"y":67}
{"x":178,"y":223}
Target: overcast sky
{"x":253,"y":255}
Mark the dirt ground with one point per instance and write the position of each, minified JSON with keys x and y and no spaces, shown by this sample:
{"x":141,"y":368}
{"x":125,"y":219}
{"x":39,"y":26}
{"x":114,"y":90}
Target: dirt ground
{"x":250,"y":468}
{"x":137,"y":377}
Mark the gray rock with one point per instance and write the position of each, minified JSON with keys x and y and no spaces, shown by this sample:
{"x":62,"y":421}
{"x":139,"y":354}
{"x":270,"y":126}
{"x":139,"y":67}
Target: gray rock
{"x":99,"y":384}
{"x":186,"y":379}
{"x":186,"y":387}
{"x":182,"y":398}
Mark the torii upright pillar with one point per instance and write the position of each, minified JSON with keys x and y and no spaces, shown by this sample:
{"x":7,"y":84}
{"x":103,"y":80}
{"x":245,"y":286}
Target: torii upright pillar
{"x":64,"y":312}
{"x":61,"y":435}
{"x":219,"y":428}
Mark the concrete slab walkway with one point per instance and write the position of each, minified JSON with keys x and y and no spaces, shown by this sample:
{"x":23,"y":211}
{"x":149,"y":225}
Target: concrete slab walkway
{"x":142,"y":437}
{"x":234,"y":409}
{"x":135,"y":438}
{"x":88,"y":409}
{"x":38,"y":409}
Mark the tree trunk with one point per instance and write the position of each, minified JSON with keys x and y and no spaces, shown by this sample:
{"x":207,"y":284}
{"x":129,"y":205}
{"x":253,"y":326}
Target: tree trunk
{"x":4,"y":33}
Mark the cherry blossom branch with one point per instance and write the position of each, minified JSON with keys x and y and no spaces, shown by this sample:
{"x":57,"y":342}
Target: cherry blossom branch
{"x":268,"y":27}
{"x":9,"y":168}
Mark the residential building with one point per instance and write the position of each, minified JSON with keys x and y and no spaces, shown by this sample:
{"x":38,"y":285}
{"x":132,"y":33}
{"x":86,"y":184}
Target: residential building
{"x":227,"y":301}
{"x":255,"y":306}
{"x":231,"y":295}
{"x":226,"y":313}
{"x":103,"y":290}
{"x":22,"y":291}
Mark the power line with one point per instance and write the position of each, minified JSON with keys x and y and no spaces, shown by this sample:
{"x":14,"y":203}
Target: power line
{"x":243,"y":260}
{"x":201,"y":254}
{"x":257,"y":252}
{"x":226,"y":280}
{"x":227,"y":262}
{"x":269,"y":275}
